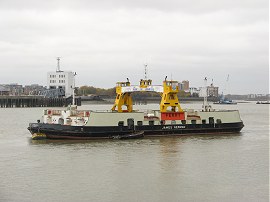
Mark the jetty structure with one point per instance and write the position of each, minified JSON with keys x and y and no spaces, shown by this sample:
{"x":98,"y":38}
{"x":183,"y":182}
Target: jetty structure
{"x":124,"y":121}
{"x":59,"y":92}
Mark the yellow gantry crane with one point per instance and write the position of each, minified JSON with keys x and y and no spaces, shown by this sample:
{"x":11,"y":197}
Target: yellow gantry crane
{"x":169,"y":97}
{"x":168,"y":94}
{"x":122,"y":98}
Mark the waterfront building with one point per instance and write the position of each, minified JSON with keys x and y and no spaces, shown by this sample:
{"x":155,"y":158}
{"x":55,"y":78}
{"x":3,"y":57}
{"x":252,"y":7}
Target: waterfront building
{"x":185,"y":85}
{"x":33,"y":89}
{"x":212,"y":91}
{"x":194,"y":91}
{"x":4,"y":90}
{"x":180,"y":86}
{"x":61,"y":80}
{"x":251,"y":96}
{"x":15,"y":89}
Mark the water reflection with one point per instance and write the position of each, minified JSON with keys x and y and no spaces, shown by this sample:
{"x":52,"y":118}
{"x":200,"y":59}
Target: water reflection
{"x":167,"y":143}
{"x":170,"y":148}
{"x":86,"y":143}
{"x":215,"y":136}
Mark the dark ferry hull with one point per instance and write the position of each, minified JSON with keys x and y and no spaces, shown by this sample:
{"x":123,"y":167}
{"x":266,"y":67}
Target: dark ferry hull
{"x":58,"y":131}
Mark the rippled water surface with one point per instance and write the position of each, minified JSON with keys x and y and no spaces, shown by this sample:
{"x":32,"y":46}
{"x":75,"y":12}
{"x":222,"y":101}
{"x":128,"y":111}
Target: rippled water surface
{"x":190,"y":168}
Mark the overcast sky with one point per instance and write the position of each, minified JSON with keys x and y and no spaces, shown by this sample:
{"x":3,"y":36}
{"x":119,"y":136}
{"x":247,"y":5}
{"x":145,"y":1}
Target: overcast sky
{"x":106,"y":41}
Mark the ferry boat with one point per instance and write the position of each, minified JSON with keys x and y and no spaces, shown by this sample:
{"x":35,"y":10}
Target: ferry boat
{"x":225,"y":101}
{"x":263,"y":102}
{"x":122,"y":120}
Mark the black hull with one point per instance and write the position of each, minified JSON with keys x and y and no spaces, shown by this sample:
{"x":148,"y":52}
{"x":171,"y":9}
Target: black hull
{"x":57,"y":131}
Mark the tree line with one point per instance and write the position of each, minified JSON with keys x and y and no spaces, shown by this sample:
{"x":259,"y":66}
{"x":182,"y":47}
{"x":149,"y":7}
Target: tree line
{"x":91,"y":90}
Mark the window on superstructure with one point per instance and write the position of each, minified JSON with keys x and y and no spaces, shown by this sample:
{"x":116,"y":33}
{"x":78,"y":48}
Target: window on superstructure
{"x":151,"y":123}
{"x":193,"y":121}
{"x":219,"y":121}
{"x":139,"y":123}
{"x":211,"y":120}
{"x":121,"y":123}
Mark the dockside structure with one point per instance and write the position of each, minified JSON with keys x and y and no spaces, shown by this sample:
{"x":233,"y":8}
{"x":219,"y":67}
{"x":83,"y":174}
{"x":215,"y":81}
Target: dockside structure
{"x":35,"y":101}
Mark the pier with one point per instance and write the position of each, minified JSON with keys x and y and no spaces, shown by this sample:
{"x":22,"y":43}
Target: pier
{"x":35,"y":101}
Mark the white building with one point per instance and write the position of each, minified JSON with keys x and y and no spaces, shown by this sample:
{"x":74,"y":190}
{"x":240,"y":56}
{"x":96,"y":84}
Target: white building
{"x":61,"y":79}
{"x":193,"y":90}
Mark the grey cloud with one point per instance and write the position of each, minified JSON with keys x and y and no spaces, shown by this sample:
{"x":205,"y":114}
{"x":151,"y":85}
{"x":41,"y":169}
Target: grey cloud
{"x":99,"y":39}
{"x":188,"y":6}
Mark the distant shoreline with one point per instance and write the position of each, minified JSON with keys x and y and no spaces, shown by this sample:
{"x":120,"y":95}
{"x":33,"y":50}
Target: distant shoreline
{"x":144,"y":102}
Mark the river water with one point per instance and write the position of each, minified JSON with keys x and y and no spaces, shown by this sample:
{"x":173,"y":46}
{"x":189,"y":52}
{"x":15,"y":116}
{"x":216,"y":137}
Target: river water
{"x":190,"y":168}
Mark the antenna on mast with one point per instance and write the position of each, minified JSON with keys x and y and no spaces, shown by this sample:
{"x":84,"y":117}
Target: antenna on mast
{"x":205,"y":104}
{"x":73,"y":92}
{"x":58,"y":64}
{"x":228,"y":77}
{"x":145,"y":71}
{"x":226,"y":90}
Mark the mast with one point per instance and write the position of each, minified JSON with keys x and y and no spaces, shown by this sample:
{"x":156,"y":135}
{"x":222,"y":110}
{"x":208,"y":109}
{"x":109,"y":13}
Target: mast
{"x":227,"y":85}
{"x":145,"y":71}
{"x":73,"y":93}
{"x":58,"y":64}
{"x":205,"y":104}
